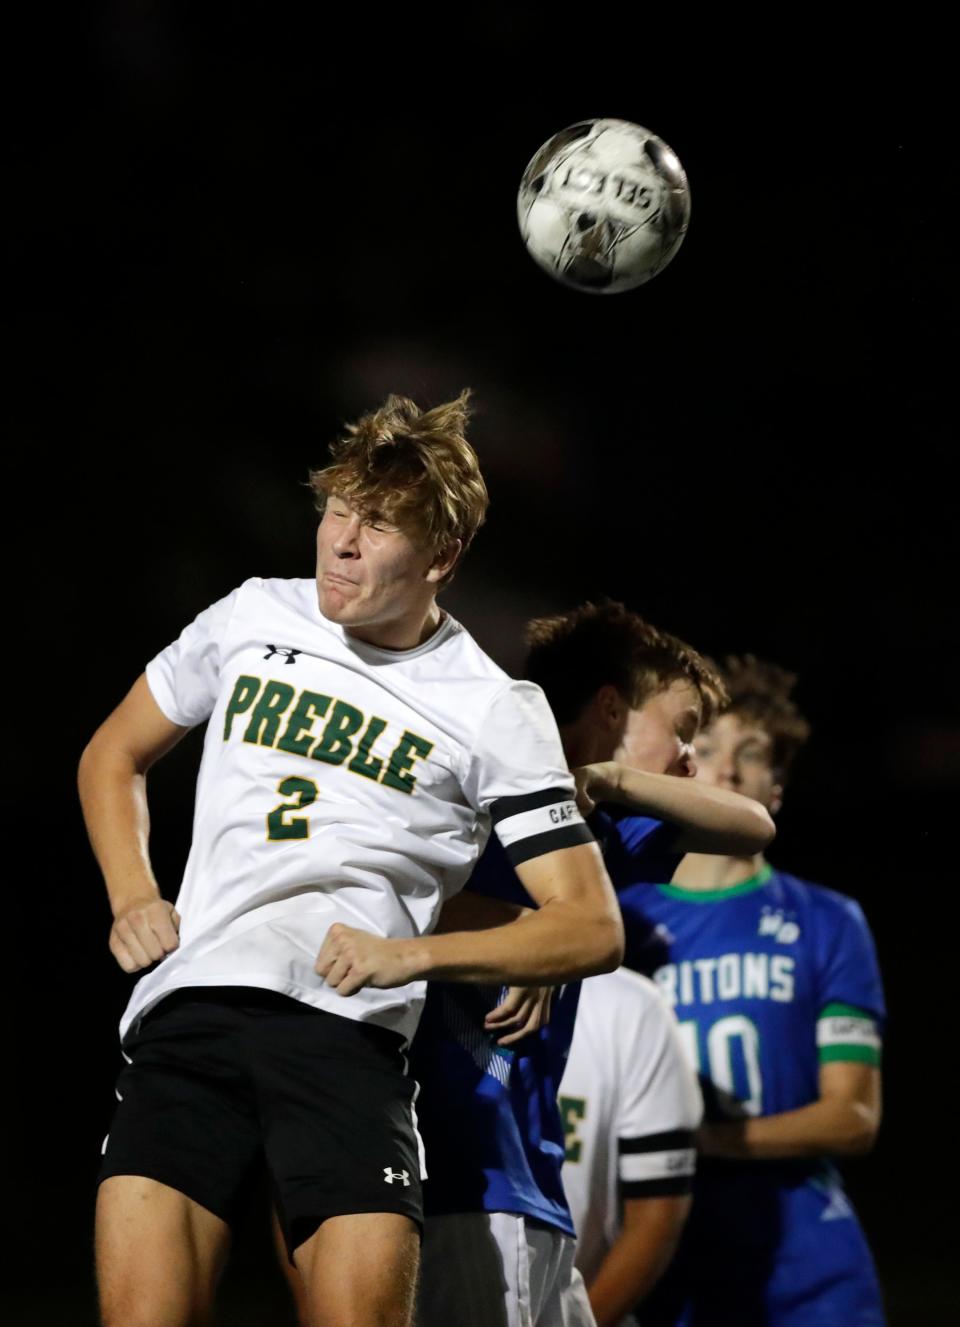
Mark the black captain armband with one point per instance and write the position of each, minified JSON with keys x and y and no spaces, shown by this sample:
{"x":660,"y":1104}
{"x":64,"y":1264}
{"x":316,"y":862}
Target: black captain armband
{"x":660,"y":1165}
{"x":536,"y":823}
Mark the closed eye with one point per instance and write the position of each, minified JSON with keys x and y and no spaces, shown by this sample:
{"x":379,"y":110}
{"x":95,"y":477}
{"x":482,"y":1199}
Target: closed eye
{"x":751,"y":753}
{"x":687,"y":725}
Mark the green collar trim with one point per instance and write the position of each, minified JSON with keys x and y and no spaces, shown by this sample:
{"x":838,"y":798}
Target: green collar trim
{"x":714,"y":895}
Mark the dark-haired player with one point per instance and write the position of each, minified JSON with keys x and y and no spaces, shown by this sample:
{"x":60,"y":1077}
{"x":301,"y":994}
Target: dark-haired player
{"x":498,"y":1242}
{"x":776,"y":987}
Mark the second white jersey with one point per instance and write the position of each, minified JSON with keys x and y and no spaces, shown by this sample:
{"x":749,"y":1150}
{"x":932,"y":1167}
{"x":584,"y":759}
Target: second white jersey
{"x":630,"y":1104}
{"x":341,"y":783}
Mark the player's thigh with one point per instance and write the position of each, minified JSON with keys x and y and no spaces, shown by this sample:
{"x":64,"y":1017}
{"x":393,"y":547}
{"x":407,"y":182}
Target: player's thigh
{"x":290,"y":1272}
{"x":545,"y":1275}
{"x":182,"y":1144}
{"x":575,"y":1302}
{"x":360,"y":1268}
{"x":468,"y":1270}
{"x":491,"y":1269}
{"x":158,"y":1254}
{"x":338,"y":1126}
{"x":186,"y":1111}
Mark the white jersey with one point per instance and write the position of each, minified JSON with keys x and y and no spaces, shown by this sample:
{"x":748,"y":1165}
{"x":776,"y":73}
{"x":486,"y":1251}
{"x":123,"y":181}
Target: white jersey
{"x":341,"y":782}
{"x":630,"y":1103}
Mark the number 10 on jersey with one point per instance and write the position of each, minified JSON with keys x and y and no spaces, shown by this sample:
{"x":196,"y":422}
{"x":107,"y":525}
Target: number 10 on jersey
{"x":729,"y":1055}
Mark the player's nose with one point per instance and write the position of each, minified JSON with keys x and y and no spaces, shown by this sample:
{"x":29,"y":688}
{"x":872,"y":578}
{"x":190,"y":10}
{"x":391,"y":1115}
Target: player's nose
{"x":346,"y":542}
{"x":712,"y":772}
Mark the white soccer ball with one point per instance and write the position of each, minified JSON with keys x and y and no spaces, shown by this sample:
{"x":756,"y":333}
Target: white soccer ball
{"x":604,"y":206}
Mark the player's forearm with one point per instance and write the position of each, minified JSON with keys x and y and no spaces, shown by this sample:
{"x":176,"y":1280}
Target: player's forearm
{"x":634,"y":1264}
{"x":467,"y":911}
{"x":830,"y":1126}
{"x":114,"y":801}
{"x":721,"y":821}
{"x":559,"y":942}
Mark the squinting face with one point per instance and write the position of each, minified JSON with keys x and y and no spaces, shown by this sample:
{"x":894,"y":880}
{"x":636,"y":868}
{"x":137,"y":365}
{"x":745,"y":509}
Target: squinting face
{"x":369,"y":573}
{"x":735,"y":754}
{"x":658,"y":737}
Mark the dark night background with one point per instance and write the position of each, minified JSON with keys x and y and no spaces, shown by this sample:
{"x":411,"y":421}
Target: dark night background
{"x":231,"y":238}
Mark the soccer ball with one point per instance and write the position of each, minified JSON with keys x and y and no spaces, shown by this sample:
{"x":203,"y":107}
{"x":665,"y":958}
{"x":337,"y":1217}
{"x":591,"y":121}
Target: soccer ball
{"x":603,"y":206}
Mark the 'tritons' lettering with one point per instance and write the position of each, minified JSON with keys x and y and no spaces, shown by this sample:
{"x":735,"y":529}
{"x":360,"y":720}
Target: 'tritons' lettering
{"x":729,"y":977}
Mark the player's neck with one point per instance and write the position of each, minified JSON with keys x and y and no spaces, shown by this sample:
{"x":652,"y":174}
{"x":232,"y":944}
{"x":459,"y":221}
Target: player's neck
{"x":404,"y":633}
{"x":703,"y":871}
{"x":581,"y":743}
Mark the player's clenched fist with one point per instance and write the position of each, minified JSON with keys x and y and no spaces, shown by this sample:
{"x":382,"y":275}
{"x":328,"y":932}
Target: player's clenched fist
{"x":594,"y":783}
{"x":350,"y":959}
{"x":144,"y":932}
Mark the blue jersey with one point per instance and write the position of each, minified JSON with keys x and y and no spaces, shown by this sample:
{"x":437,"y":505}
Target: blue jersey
{"x":488,"y":1115}
{"x":768,"y":979}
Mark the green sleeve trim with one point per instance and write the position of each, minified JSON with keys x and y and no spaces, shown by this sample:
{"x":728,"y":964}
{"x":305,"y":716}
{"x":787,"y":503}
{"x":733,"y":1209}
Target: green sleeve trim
{"x":861,"y":1054}
{"x":836,"y":1009}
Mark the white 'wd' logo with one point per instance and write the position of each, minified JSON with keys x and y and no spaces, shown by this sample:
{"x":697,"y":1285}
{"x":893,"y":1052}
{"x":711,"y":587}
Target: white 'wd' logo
{"x":772,"y":923}
{"x":390,"y":1175}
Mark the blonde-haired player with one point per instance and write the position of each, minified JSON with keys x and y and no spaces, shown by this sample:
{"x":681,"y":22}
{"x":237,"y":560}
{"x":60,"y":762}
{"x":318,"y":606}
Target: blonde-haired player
{"x":359,"y":745}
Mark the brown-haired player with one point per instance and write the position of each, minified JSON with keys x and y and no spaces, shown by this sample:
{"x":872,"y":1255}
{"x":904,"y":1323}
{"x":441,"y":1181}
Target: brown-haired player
{"x":498,"y":1242}
{"x":359,"y":746}
{"x":776,"y":985}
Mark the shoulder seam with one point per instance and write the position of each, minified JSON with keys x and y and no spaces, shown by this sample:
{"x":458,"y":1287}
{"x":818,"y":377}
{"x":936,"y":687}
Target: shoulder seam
{"x":504,"y":686}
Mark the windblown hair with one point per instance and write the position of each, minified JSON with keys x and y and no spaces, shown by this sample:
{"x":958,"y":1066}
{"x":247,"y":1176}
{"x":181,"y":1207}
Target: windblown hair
{"x":572,"y":655}
{"x":413,"y":468}
{"x":761,"y":694}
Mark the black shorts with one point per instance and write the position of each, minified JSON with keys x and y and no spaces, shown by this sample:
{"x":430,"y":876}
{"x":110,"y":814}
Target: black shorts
{"x":220,"y":1078}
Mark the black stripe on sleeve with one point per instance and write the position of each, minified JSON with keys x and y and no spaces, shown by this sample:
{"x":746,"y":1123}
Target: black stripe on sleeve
{"x":504,"y":807}
{"x":565,"y":836}
{"x":672,"y":1140}
{"x":674,"y":1187}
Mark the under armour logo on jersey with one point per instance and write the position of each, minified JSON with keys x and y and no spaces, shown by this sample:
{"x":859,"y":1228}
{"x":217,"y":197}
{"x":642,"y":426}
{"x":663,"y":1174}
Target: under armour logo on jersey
{"x":289,"y":656}
{"x":390,"y":1175}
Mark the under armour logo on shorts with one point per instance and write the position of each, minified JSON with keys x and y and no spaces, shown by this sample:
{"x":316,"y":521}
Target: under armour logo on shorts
{"x":290,"y":656}
{"x":390,"y":1175}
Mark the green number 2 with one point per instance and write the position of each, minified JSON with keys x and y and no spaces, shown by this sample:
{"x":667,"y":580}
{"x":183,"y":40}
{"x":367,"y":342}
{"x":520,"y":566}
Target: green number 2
{"x":304,"y":791}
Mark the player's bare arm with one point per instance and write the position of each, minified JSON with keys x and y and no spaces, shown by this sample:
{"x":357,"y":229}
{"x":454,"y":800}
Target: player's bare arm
{"x":844,"y":1121}
{"x":639,"y":1255}
{"x":712,"y":819}
{"x":112,"y":782}
{"x":576,"y":931}
{"x":524,"y":1009}
{"x":468,"y":911}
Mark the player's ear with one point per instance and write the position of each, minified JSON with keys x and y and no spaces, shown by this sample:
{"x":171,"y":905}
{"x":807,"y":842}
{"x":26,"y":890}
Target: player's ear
{"x":444,"y":561}
{"x":610,"y":709}
{"x":776,"y":798}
